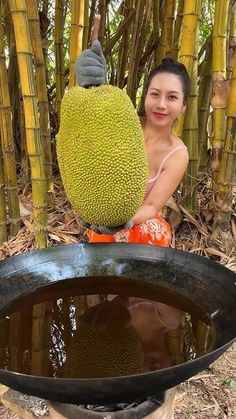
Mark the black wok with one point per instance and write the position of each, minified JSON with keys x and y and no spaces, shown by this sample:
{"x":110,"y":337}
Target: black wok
{"x":207,"y":284}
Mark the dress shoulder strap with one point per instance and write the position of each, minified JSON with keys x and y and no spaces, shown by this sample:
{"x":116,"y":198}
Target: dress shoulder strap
{"x":179,"y":147}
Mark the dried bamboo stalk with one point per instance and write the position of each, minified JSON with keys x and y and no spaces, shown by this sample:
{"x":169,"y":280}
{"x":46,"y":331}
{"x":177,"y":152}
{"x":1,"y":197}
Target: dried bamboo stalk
{"x":34,"y":147}
{"x":9,"y":164}
{"x":59,"y":52}
{"x":40,"y":74}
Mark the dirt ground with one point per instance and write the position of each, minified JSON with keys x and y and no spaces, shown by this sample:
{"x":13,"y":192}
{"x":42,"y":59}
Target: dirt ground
{"x":211,"y":393}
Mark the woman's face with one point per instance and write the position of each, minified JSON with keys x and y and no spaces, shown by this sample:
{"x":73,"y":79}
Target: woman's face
{"x":164,"y":100}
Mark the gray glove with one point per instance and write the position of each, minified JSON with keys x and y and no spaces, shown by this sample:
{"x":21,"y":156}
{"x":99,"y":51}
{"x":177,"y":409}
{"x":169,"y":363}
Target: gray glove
{"x":90,"y":67}
{"x":106,"y":230}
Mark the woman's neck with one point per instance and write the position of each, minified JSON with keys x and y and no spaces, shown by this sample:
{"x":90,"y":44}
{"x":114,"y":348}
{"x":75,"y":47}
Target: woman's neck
{"x":152,"y":134}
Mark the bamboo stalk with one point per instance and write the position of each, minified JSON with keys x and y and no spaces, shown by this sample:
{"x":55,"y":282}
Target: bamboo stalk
{"x":232,"y":40}
{"x":187,"y":52}
{"x":25,"y":172}
{"x":161,"y":50}
{"x":124,"y":45}
{"x":227,"y":164}
{"x":59,"y":52}
{"x":102,"y":12}
{"x":86,"y":24}
{"x":4,"y":350}
{"x":34,"y":147}
{"x":8,"y":152}
{"x":7,"y":20}
{"x":219,"y":99}
{"x":92,"y":15}
{"x":156,"y":26}
{"x":135,"y":51}
{"x":177,"y":29}
{"x":190,"y":138}
{"x":205,"y":87}
{"x":189,"y":57}
{"x":170,"y":19}
{"x":14,"y":341}
{"x":76,"y":36}
{"x":3,"y":214}
{"x":124,"y":26}
{"x":41,"y":321}
{"x":41,"y":84}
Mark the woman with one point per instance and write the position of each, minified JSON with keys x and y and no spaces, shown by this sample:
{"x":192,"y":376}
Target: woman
{"x":165,"y":98}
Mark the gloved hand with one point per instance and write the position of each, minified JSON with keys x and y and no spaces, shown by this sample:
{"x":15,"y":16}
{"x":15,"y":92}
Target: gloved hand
{"x":90,"y":67}
{"x":106,"y":230}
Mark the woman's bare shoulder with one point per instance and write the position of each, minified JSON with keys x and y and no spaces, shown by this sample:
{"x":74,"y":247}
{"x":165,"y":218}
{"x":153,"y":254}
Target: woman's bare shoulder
{"x":177,"y":141}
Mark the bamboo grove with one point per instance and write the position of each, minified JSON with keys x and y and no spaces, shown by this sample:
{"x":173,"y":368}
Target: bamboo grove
{"x":39,"y":43}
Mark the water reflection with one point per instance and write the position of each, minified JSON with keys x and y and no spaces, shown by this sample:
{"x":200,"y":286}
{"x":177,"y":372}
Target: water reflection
{"x":100,"y":336}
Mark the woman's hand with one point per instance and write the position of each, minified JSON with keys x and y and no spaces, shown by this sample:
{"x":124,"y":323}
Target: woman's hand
{"x":104,"y":229}
{"x":90,"y":67}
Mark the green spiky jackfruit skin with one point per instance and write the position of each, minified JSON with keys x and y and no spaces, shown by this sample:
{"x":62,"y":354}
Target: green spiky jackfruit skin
{"x":101,"y":155}
{"x":96,"y":354}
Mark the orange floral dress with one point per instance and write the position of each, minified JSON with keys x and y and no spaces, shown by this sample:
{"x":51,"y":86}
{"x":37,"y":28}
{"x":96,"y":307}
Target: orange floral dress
{"x":155,"y":231}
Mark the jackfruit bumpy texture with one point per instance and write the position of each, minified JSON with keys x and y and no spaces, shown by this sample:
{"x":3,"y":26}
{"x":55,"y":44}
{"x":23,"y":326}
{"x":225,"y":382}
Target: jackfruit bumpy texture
{"x":96,"y":354}
{"x":101,"y":155}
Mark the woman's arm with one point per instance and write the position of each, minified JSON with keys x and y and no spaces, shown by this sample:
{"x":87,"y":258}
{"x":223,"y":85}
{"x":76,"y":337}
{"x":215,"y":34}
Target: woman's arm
{"x":164,"y":188}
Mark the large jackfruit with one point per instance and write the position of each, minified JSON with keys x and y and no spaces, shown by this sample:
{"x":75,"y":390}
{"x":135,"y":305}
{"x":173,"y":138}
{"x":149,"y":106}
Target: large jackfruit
{"x":101,"y":154}
{"x":95,"y":353}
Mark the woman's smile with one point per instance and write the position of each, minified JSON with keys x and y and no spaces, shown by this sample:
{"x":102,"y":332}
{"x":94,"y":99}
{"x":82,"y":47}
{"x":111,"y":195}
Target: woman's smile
{"x":160,"y":115}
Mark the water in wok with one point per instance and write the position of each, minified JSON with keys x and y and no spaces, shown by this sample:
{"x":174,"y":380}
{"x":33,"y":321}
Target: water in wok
{"x":111,"y":323}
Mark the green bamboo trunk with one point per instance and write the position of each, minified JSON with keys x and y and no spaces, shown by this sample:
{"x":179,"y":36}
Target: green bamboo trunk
{"x":41,"y":84}
{"x":59,"y":52}
{"x":190,"y":128}
{"x":219,"y":99}
{"x":177,"y":29}
{"x":124,"y":47}
{"x":156,"y":26}
{"x":8,"y":145}
{"x":170,"y":19}
{"x":135,"y":51}
{"x":34,"y":146}
{"x":3,"y":214}
{"x":76,"y":34}
{"x":227,"y":164}
{"x":187,"y":51}
{"x":86,"y":24}
{"x":205,"y":88}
